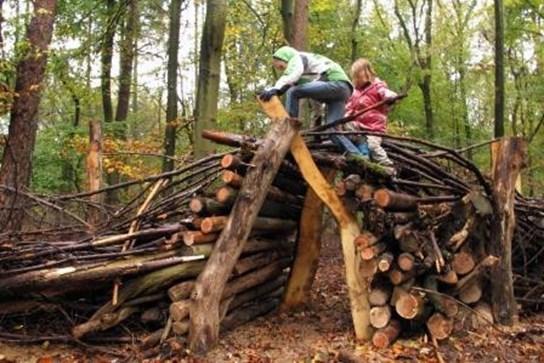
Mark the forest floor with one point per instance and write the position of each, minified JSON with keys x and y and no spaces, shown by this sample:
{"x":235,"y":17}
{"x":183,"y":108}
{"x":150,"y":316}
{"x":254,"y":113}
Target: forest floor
{"x":323,"y":332}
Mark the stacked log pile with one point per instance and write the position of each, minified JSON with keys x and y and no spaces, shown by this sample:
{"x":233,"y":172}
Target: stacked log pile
{"x":142,"y":276}
{"x":423,"y":247}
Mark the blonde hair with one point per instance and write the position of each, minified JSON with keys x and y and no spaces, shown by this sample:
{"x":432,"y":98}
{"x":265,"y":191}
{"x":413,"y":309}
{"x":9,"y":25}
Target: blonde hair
{"x":362,"y":72}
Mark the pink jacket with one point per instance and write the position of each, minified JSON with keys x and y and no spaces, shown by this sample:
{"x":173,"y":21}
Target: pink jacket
{"x":374,"y":120}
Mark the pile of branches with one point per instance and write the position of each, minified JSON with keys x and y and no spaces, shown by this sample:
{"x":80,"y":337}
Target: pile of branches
{"x":132,"y":275}
{"x":424,"y":247}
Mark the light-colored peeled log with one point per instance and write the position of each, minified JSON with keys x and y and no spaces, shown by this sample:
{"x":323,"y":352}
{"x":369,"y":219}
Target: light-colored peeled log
{"x":406,"y":261}
{"x":196,"y":237}
{"x":386,"y":336}
{"x":410,"y":306}
{"x":462,"y":263}
{"x":380,"y":316}
{"x":365,"y":192}
{"x":440,"y":326}
{"x":385,"y":261}
{"x":181,"y":291}
{"x":365,"y":239}
{"x":379,"y":295}
{"x":395,"y":202}
{"x":472,"y":293}
{"x":373,"y":251}
{"x":179,"y":310}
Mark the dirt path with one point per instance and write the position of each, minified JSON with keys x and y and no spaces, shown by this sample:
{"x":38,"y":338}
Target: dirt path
{"x":323,"y":330}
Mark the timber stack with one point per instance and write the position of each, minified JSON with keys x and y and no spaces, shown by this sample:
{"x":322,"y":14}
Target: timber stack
{"x":424,"y":249}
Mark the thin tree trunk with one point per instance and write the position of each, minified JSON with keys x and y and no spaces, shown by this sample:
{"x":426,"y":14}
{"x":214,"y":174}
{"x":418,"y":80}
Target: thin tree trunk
{"x":1,"y":23}
{"x":16,"y":167}
{"x":287,"y":15}
{"x":209,"y":73}
{"x":300,"y":25}
{"x":135,"y":78}
{"x":172,"y":98}
{"x":126,"y":59}
{"x":106,"y":61}
{"x":354,"y":28}
{"x":88,"y":58}
{"x":427,"y":71}
{"x":499,"y":68}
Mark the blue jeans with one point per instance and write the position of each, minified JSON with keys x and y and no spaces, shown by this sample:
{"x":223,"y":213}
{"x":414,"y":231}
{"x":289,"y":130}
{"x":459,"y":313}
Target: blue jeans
{"x":334,"y":94}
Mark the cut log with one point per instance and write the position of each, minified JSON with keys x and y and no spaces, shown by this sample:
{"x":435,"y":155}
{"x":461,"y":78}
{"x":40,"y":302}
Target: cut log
{"x":233,"y":163}
{"x":274,"y":193}
{"x":227,"y":138}
{"x":462,"y":263}
{"x":255,"y":261}
{"x":207,"y":206}
{"x":365,"y":239}
{"x":386,"y":336}
{"x":406,"y":261}
{"x":400,"y":290}
{"x":440,"y":326}
{"x":215,"y":224}
{"x":441,"y":302}
{"x":197,"y":237}
{"x":373,"y":251}
{"x":365,"y":192}
{"x":449,"y":277}
{"x":270,"y":208}
{"x":472,"y":293}
{"x":398,"y":277}
{"x":483,"y":315}
{"x":367,"y":268}
{"x":380,"y":316}
{"x":385,"y":261}
{"x":379,"y":295}
{"x":410,"y":306}
{"x":395,"y":202}
{"x":488,"y":261}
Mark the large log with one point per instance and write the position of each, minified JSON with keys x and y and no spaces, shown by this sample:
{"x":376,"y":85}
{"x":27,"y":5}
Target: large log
{"x":263,"y":224}
{"x":462,"y":263}
{"x":349,"y":229}
{"x":380,"y":316}
{"x":410,"y":306}
{"x":439,"y":326}
{"x":507,"y":164}
{"x":386,"y":336}
{"x":211,"y":282}
{"x":393,"y":201}
{"x":308,"y":249}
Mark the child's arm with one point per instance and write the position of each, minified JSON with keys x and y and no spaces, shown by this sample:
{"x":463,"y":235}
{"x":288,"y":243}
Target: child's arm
{"x":293,"y":72}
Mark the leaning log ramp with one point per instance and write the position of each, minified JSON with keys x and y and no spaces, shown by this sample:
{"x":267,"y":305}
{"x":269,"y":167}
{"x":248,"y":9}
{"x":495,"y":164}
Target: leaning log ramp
{"x":210,"y":246}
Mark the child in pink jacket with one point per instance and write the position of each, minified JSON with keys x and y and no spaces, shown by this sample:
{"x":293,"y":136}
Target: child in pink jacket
{"x":369,"y":90}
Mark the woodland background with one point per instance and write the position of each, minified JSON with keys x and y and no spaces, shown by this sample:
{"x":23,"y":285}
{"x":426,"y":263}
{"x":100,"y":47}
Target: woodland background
{"x":157,"y":72}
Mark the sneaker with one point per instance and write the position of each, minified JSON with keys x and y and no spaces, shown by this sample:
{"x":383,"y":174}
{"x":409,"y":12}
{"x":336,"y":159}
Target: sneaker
{"x":363,"y":148}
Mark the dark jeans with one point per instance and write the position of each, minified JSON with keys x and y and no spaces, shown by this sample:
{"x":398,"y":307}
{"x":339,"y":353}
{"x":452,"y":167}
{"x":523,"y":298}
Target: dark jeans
{"x":334,"y":94}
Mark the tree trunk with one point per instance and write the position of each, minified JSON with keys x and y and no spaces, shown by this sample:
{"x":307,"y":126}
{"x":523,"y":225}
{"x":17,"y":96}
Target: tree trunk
{"x":172,"y":97}
{"x":300,"y":25}
{"x":427,"y":71}
{"x":106,"y":62}
{"x":209,"y":73}
{"x":287,"y":16}
{"x":209,"y":288}
{"x":126,"y":59}
{"x":354,"y":28}
{"x":94,"y":169}
{"x":1,"y":33}
{"x":16,"y":167}
{"x":499,"y":68}
{"x":507,"y":165}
